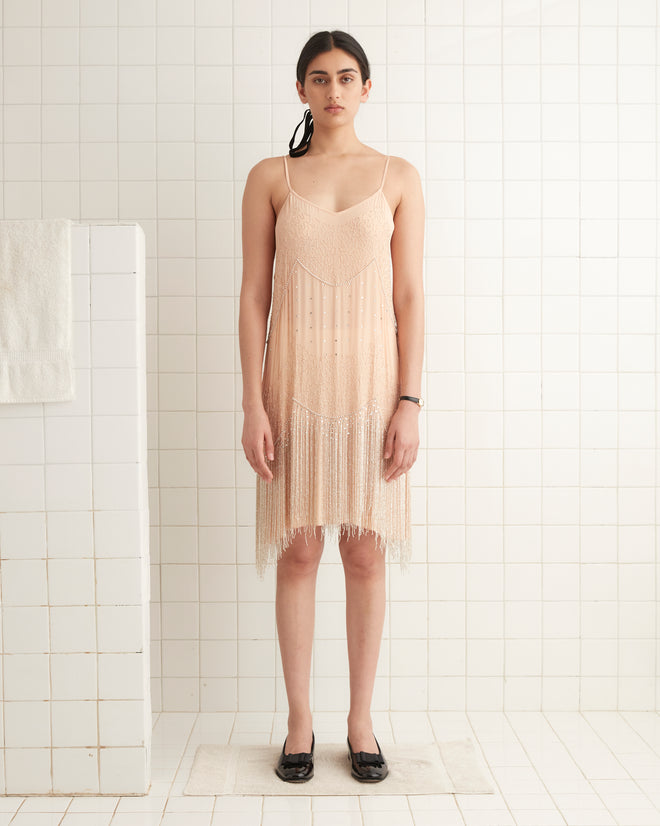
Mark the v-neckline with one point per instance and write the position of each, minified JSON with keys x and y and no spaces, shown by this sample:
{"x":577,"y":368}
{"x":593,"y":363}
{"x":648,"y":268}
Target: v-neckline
{"x":335,"y":211}
{"x":292,"y":191}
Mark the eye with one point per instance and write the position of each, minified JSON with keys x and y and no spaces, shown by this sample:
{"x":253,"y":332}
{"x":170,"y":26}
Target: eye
{"x":323,"y":80}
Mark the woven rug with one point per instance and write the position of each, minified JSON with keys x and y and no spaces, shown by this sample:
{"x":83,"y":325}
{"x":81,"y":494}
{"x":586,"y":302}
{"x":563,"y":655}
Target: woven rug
{"x":445,"y":768}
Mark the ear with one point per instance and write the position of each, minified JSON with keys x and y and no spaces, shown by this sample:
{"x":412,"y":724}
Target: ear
{"x":301,"y":92}
{"x":366,"y":88}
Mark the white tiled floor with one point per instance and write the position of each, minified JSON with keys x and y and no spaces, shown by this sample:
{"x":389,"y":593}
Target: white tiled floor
{"x":551,"y":769}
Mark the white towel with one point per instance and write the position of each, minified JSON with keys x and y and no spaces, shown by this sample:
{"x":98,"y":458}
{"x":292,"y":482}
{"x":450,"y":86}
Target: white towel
{"x":36,"y":360}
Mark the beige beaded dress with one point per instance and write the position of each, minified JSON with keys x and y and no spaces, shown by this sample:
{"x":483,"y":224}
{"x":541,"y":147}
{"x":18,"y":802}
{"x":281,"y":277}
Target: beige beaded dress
{"x":330,"y":382}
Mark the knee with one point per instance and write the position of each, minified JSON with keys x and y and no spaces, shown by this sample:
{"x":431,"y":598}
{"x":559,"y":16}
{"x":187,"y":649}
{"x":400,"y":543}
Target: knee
{"x":300,"y":558}
{"x":362,"y":558}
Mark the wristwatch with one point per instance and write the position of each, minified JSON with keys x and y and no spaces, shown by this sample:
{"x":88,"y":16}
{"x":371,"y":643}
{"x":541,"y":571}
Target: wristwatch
{"x":419,"y":402}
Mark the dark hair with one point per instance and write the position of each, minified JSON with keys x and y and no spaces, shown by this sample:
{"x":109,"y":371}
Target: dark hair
{"x":316,"y":45}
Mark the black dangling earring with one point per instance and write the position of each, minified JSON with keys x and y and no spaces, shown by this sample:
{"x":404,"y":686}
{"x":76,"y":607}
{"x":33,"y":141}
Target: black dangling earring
{"x":307,"y":136}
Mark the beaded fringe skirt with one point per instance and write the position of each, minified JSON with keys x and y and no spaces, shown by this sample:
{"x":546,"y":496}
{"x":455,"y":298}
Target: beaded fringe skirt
{"x":348,"y":450}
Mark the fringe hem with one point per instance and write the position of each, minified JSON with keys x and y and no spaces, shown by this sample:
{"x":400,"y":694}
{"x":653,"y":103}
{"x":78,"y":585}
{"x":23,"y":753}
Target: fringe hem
{"x":396,"y":550}
{"x":328,"y":473}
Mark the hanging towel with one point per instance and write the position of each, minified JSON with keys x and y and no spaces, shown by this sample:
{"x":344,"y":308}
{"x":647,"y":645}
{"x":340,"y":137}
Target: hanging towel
{"x":36,"y":361}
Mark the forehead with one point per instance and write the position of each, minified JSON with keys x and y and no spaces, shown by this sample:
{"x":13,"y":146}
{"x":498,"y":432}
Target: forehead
{"x":333,"y":61}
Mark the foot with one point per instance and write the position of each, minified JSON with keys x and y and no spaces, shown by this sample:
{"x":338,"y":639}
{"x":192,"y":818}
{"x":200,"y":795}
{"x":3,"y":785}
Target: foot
{"x":370,"y":767}
{"x":297,"y":767}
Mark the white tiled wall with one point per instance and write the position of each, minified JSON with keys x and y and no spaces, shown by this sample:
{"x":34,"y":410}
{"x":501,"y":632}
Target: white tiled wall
{"x":74,"y":555}
{"x":534,"y":126}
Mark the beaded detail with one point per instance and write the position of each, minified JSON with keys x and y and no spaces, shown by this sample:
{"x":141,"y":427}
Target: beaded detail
{"x":331,"y":381}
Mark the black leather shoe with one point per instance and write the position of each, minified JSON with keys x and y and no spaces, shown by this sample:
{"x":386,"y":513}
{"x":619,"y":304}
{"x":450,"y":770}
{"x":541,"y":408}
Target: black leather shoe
{"x":368,"y":767}
{"x":296,"y":767}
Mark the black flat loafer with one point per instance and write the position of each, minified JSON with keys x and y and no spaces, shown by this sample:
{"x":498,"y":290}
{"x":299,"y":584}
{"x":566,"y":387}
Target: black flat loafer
{"x":296,"y":767}
{"x":367,"y":767}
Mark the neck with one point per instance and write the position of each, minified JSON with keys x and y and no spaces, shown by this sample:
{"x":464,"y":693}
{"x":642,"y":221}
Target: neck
{"x":339,"y":141}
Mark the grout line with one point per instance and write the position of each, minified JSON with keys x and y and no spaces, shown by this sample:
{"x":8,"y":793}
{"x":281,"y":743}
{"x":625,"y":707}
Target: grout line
{"x":541,"y":400}
{"x":630,"y":778}
{"x":495,"y":771}
{"x":424,"y":387}
{"x":198,"y":567}
{"x":3,"y":124}
{"x":538,"y":715}
{"x":465,"y":409}
{"x":45,"y":464}
{"x":617,"y":305}
{"x":93,"y":518}
{"x":656,"y":366}
{"x":575,"y":757}
{"x":503,"y":565}
{"x":176,"y":771}
{"x":237,"y":704}
{"x":157,"y":418}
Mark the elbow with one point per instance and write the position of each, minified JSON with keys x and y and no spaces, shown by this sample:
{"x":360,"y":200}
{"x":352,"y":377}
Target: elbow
{"x":408,"y":300}
{"x":256,"y":307}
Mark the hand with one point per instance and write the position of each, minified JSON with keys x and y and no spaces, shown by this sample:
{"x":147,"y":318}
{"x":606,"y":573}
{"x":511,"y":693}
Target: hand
{"x":256,"y":434}
{"x":402,"y":440}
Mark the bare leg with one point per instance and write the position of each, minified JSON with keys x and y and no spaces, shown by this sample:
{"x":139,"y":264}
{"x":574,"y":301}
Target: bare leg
{"x":294,"y":611}
{"x":364,"y":573}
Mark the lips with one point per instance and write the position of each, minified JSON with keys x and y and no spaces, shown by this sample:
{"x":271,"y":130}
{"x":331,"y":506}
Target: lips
{"x":333,"y":108}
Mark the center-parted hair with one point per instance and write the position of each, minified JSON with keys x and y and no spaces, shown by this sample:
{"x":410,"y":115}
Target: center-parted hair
{"x":316,"y":45}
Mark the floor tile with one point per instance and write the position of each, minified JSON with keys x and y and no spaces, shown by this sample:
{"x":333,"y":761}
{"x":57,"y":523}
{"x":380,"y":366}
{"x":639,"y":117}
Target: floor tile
{"x":550,"y":769}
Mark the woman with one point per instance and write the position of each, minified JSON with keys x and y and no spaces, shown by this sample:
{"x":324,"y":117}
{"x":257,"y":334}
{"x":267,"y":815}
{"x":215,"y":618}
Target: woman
{"x":332,"y":427}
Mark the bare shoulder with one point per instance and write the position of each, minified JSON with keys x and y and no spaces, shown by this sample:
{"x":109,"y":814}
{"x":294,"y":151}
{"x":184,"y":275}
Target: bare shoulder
{"x":405,"y":186}
{"x":265,"y":186}
{"x":265,"y":172}
{"x":404,"y":172}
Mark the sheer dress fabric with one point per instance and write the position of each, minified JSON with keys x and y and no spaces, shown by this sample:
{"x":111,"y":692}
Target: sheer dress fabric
{"x":330,"y":381}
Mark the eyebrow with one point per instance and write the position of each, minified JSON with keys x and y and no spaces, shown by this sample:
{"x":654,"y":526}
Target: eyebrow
{"x":321,"y":72}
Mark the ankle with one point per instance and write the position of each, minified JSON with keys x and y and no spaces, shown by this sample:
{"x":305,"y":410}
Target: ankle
{"x":359,"y":721}
{"x":300,"y":720}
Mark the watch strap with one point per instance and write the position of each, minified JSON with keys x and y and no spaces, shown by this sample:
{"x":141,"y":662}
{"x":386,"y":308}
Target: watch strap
{"x":417,"y":401}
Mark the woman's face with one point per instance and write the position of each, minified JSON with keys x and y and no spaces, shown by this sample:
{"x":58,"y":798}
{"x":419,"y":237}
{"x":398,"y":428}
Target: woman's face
{"x":333,"y":87}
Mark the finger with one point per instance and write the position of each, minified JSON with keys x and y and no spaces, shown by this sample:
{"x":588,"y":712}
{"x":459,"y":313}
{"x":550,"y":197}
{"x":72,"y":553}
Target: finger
{"x":270,"y":449}
{"x":263,"y":470}
{"x":249,"y":457}
{"x":402,"y":466}
{"x":260,"y":465}
{"x":392,"y":471}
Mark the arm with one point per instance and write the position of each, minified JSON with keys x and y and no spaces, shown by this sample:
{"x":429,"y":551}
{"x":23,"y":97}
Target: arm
{"x":407,"y":247}
{"x":258,"y":234}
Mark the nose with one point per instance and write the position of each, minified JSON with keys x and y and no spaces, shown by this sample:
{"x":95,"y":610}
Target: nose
{"x":333,"y":90}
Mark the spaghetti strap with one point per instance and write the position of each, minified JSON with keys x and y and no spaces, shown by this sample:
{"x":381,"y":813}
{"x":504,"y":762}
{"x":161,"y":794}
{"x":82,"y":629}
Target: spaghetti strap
{"x":382,"y":183}
{"x":387,"y":163}
{"x":286,"y":171}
